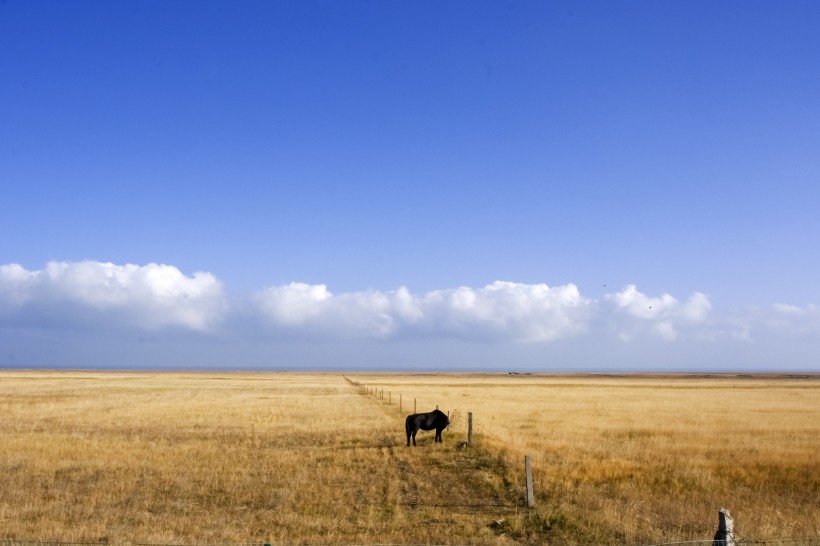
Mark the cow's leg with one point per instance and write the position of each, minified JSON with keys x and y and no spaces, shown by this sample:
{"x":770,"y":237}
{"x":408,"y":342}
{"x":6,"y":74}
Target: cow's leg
{"x":414,"y":437}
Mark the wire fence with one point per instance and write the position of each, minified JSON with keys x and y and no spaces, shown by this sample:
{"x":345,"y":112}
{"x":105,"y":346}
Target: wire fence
{"x":388,"y":397}
{"x":780,"y":541}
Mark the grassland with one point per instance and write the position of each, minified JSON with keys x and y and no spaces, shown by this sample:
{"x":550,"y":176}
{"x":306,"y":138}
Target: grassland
{"x":289,"y":458}
{"x":647,"y":459}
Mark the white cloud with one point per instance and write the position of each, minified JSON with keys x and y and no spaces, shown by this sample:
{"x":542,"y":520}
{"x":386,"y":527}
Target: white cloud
{"x":97,"y":296}
{"x":634,"y":313}
{"x":294,"y":304}
{"x":521,"y":312}
{"x":696,"y":308}
{"x":313,"y":308}
{"x":150,"y":296}
{"x":786,"y":322}
{"x":500,"y":310}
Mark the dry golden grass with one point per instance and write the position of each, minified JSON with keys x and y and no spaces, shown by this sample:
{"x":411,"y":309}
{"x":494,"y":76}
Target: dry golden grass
{"x":291,"y":458}
{"x":646,"y":459}
{"x":226,"y":458}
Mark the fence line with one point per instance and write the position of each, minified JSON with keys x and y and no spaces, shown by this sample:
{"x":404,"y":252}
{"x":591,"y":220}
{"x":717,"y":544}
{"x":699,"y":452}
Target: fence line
{"x":379,"y":394}
{"x":772,"y":541}
{"x":725,"y":535}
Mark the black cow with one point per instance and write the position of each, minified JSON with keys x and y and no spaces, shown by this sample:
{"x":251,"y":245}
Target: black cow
{"x":426,"y":421}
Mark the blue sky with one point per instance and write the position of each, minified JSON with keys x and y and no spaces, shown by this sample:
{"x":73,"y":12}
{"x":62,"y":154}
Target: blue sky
{"x":418,"y":185}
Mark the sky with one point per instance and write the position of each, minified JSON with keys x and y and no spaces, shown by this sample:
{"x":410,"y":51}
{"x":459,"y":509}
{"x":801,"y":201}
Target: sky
{"x":489,"y":186}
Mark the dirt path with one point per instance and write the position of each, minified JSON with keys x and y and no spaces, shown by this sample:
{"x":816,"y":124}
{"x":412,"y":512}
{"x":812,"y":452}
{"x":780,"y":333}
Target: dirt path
{"x":447,"y":488}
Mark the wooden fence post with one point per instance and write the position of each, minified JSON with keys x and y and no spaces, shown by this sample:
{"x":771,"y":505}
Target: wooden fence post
{"x":528,"y":472}
{"x":725,"y":535}
{"x":414,"y":406}
{"x":469,"y":428}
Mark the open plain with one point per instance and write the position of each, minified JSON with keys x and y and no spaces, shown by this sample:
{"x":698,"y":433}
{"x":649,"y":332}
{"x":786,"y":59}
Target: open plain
{"x":320,"y":458}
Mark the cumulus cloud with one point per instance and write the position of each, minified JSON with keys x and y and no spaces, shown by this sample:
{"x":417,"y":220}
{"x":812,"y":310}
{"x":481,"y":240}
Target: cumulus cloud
{"x":151,"y":296}
{"x":634,"y":313}
{"x":522,"y":312}
{"x":154,"y":297}
{"x":502,"y":310}
{"x":313,"y":308}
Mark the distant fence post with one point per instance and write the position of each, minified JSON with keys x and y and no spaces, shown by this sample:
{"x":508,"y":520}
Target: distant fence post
{"x":528,"y":472}
{"x":725,"y":535}
{"x":414,"y":406}
{"x":469,"y":428}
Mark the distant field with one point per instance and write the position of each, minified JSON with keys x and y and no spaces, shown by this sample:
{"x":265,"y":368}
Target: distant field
{"x":289,"y":458}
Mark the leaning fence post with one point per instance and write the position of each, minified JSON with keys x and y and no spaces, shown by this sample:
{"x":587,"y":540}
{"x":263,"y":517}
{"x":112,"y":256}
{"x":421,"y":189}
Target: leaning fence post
{"x":528,"y":472}
{"x":725,"y":535}
{"x":469,"y":428}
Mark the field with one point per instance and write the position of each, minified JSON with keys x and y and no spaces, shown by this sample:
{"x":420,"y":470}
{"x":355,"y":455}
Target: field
{"x":287,"y":458}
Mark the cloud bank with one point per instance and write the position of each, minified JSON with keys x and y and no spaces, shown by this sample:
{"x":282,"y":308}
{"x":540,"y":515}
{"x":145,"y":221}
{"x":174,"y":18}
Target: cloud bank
{"x":140,"y":301}
{"x":92,"y":293}
{"x":501,"y":310}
